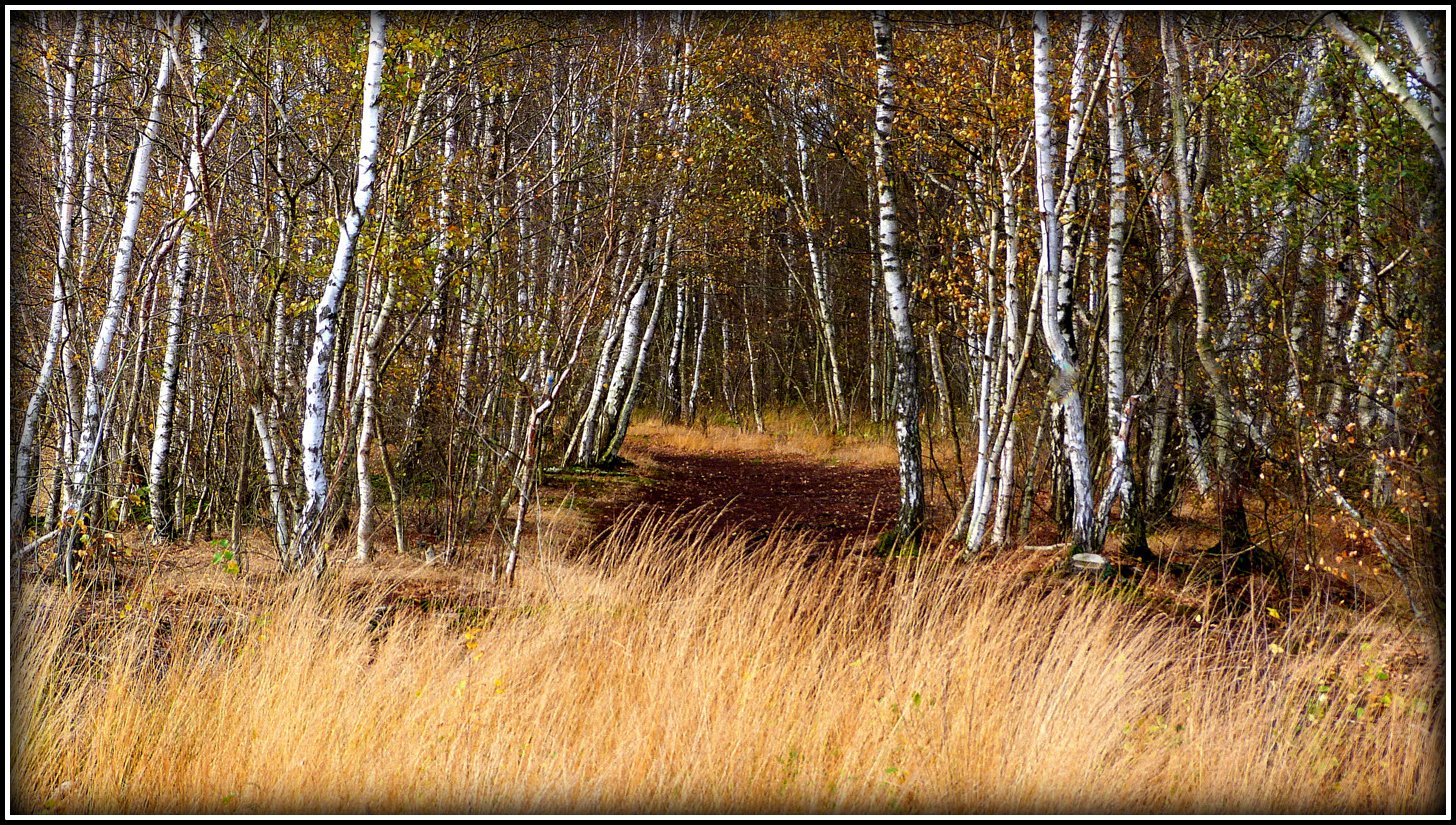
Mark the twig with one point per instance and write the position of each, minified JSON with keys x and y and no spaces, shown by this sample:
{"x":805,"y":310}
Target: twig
{"x":33,"y":546}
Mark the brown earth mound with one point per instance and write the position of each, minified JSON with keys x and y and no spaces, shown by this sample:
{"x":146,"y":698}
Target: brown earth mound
{"x":754,"y":492}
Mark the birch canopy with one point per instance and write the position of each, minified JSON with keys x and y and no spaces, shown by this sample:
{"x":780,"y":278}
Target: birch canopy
{"x":322,"y":285}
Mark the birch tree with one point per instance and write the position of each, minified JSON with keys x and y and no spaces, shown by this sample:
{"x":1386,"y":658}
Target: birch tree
{"x":306,"y":543}
{"x":98,"y":375}
{"x":898,"y":297}
{"x":1064,"y":393}
{"x":1234,"y":530}
{"x":23,"y":491}
{"x":158,"y":480}
{"x":1430,"y":116}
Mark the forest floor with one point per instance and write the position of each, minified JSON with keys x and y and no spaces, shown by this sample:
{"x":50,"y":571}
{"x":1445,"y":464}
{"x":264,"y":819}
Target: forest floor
{"x":838,"y":505}
{"x":835,"y":493}
{"x":841,"y":493}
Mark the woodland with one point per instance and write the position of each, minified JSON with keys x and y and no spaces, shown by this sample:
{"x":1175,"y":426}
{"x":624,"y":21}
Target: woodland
{"x":727,"y":411}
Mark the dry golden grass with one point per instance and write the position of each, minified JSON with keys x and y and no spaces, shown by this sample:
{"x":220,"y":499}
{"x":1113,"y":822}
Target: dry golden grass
{"x":674,"y":673}
{"x":787,"y":434}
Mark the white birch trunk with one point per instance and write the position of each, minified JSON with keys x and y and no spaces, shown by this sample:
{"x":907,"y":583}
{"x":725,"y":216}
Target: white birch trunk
{"x":599,"y":406}
{"x":1069,"y":227}
{"x":1120,"y":480}
{"x":70,"y":359}
{"x":942,"y":384}
{"x":674,"y":358}
{"x":976,"y":531}
{"x":632,"y":334}
{"x":898,"y":298}
{"x":1011,"y":229}
{"x":158,"y":482}
{"x":23,"y":492}
{"x":634,"y":389}
{"x":1203,"y":343}
{"x":1064,"y":391}
{"x":872,"y":315}
{"x":819,"y":275}
{"x":98,"y":375}
{"x":991,"y":361}
{"x":1430,"y":118}
{"x":435,"y":314}
{"x":692,"y":406}
{"x":368,"y":378}
{"x":752,"y":368}
{"x":306,"y":543}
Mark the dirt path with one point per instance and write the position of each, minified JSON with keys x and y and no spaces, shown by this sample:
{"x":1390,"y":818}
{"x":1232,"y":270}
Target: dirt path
{"x":754,"y":491}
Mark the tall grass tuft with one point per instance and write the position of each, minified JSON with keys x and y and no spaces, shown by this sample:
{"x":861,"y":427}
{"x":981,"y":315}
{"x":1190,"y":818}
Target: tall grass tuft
{"x":683,"y":671}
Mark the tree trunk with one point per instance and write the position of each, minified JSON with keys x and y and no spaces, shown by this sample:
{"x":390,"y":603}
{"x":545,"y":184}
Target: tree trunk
{"x":634,"y":389}
{"x":1234,"y":537}
{"x":93,"y":419}
{"x":439,"y":283}
{"x":1119,"y":411}
{"x":306,"y":545}
{"x":368,"y":379}
{"x":822,"y":290}
{"x":158,"y":480}
{"x":674,"y":358}
{"x":692,"y":405}
{"x":898,"y":298}
{"x":23,"y":491}
{"x":1064,"y":392}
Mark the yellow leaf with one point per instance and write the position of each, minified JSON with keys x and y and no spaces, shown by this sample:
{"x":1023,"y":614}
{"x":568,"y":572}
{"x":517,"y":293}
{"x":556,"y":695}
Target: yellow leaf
{"x":1273,"y":612}
{"x":1275,"y":649}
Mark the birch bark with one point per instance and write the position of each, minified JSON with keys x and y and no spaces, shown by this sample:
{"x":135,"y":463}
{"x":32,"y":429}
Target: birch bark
{"x":1227,"y":486}
{"x":1064,"y":392}
{"x":1120,"y":479}
{"x":158,"y":481}
{"x":898,"y":298}
{"x":306,"y":540}
{"x":98,"y":376}
{"x":1431,"y":118}
{"x":23,"y":491}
